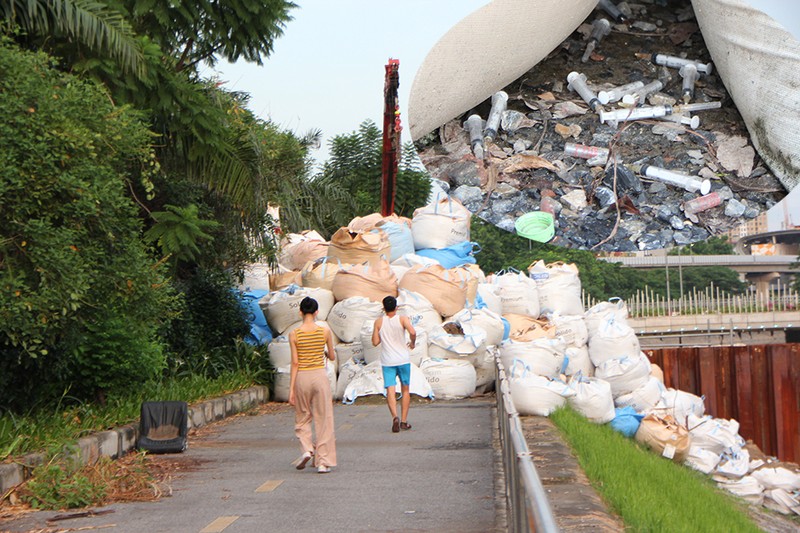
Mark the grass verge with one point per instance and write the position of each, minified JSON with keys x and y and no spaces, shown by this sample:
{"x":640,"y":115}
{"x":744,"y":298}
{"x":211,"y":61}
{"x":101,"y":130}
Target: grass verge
{"x":648,"y":492}
{"x":50,"y":428}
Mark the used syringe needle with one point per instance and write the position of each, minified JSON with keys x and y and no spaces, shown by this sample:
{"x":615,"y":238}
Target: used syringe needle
{"x":697,"y":106}
{"x":611,"y":8}
{"x":577,"y":83}
{"x":600,"y":28}
{"x":689,"y":183}
{"x":639,"y":95}
{"x":474,"y":126}
{"x":678,"y":62}
{"x":616,"y":94}
{"x":499,"y":103}
{"x":689,"y":74}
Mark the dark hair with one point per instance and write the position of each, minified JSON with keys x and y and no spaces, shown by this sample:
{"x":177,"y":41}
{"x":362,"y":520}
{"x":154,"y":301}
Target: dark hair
{"x":389,"y":304}
{"x":308,"y":306}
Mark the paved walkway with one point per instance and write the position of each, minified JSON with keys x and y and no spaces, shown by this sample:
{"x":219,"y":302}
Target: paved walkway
{"x":437,"y":477}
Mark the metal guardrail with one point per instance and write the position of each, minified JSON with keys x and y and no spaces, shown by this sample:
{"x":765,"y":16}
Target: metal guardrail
{"x":527,"y":503}
{"x":701,"y":260}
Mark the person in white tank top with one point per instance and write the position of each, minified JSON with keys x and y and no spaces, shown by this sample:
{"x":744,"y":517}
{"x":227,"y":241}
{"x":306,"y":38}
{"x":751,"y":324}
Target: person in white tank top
{"x":390,"y":332}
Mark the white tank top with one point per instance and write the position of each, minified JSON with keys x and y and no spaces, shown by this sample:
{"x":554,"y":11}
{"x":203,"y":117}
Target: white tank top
{"x":394,"y":350}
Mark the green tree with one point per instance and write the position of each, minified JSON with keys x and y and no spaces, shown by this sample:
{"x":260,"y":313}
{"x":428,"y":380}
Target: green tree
{"x":80,"y":298}
{"x":712,"y":246}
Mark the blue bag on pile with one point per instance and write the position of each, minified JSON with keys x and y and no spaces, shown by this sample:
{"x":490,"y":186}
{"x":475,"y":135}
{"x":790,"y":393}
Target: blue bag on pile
{"x":453,"y":256}
{"x":627,"y":421}
{"x":396,"y":228}
{"x":260,"y":333}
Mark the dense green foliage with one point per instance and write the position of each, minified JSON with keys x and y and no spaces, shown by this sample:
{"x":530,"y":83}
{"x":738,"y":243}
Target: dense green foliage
{"x":80,"y":299}
{"x":602,"y":280}
{"x":351,"y":178}
{"x":648,"y":492}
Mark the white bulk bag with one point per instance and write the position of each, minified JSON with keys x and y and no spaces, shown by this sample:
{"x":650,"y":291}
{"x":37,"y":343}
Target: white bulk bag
{"x":373,"y":353}
{"x":369,"y":381}
{"x":346,"y":317}
{"x":734,"y":464}
{"x":348,"y":369}
{"x":611,"y":340}
{"x":645,"y":398}
{"x":418,"y":309}
{"x":485,"y":319}
{"x":484,"y":367}
{"x":614,"y":309}
{"x":701,"y":459}
{"x":544,"y":357}
{"x":625,"y":374}
{"x":716,"y":435}
{"x":256,"y":277}
{"x":412,"y":260}
{"x":444,"y":345}
{"x":559,"y":287}
{"x":571,"y":328}
{"x":536,"y":395}
{"x":280,"y":352}
{"x":283,"y":378}
{"x":282,"y":308}
{"x":450,"y":379}
{"x":490,"y":294}
{"x":399,"y":271}
{"x":577,"y":358}
{"x":777,"y":478}
{"x":781,"y":501}
{"x":747,"y":488}
{"x":592,"y":399}
{"x":680,"y":404}
{"x":518,"y":293}
{"x":346,"y":351}
{"x":442,"y":223}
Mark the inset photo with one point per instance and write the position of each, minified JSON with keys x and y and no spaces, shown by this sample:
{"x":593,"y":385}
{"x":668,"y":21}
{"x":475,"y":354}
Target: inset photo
{"x":612,"y":127}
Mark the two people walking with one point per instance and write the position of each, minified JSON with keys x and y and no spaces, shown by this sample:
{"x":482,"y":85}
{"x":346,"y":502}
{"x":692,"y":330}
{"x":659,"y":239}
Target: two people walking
{"x":310,"y":390}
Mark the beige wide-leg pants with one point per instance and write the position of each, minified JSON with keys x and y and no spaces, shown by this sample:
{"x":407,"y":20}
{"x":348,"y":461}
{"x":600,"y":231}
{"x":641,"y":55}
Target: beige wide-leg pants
{"x":313,"y":402}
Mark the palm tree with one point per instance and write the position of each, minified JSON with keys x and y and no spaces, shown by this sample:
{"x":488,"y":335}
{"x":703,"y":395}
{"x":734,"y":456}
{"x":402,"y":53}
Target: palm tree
{"x":91,"y":23}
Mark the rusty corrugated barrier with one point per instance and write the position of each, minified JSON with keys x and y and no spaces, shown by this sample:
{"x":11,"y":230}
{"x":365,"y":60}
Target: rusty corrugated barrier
{"x":757,"y":385}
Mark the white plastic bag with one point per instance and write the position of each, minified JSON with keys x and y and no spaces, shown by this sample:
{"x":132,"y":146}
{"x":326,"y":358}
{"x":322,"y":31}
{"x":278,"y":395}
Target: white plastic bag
{"x":544,"y":357}
{"x":490,"y":294}
{"x":450,"y":379}
{"x":282,"y":308}
{"x":369,"y":381}
{"x":348,"y":369}
{"x":612,"y":339}
{"x":518,"y":293}
{"x":592,"y":399}
{"x":614,"y":309}
{"x":346,"y":317}
{"x":625,"y":374}
{"x":702,"y":460}
{"x":578,"y":361}
{"x":280,"y":353}
{"x":716,"y":435}
{"x":777,"y":478}
{"x":644,"y":398}
{"x":559,"y":287}
{"x":444,"y":345}
{"x":418,"y":309}
{"x":484,"y":319}
{"x":536,"y":395}
{"x":571,"y":328}
{"x":442,"y":223}
{"x":747,"y":488}
{"x":680,"y":404}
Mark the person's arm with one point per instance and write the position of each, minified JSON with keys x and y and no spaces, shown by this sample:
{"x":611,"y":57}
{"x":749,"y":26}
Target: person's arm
{"x":329,"y":342}
{"x":412,"y":333}
{"x":376,"y":331}
{"x":293,"y":375}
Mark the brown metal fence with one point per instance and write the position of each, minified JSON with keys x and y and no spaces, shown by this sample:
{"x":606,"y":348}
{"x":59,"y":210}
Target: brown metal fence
{"x":757,"y":385}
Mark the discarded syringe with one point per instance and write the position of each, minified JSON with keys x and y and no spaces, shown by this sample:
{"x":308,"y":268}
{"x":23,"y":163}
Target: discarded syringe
{"x":617,"y":93}
{"x":577,"y":83}
{"x":474,"y":125}
{"x":611,"y":8}
{"x":659,"y":111}
{"x":678,"y":62}
{"x":499,"y":104}
{"x":600,"y":28}
{"x":677,"y":179}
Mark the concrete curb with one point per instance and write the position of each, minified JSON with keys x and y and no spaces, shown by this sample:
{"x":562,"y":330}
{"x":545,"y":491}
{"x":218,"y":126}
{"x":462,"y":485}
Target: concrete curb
{"x":119,"y":441}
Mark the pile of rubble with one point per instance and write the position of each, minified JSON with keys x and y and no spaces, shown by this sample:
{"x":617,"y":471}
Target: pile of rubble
{"x":614,"y":147}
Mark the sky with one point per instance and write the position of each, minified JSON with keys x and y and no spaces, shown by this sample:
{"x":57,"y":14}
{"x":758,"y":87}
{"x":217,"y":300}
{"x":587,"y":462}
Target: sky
{"x":327,"y":70}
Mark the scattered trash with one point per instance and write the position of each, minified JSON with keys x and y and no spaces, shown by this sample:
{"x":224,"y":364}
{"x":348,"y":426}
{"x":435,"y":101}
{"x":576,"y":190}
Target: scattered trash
{"x":499,"y":102}
{"x":674,"y":178}
{"x":474,"y":125}
{"x":600,"y":28}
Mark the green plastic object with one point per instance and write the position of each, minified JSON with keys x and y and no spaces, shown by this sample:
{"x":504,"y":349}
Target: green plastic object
{"x":537,"y":226}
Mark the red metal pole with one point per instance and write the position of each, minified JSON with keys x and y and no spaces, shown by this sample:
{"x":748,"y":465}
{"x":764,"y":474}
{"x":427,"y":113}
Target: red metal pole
{"x":391,"y":137}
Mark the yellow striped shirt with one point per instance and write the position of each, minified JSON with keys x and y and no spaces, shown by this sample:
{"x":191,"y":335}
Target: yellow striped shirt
{"x":310,"y":349}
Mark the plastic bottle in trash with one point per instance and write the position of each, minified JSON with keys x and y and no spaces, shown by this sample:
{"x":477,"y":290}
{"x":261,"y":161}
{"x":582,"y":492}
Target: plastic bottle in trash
{"x":474,"y":126}
{"x":612,"y":9}
{"x":616,"y":94}
{"x":702,"y":203}
{"x":677,"y":179}
{"x":689,"y":75}
{"x":577,"y":83}
{"x":499,"y":102}
{"x":600,"y":28}
{"x":678,"y":62}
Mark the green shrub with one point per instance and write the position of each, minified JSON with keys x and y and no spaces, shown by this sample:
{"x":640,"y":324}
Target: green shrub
{"x":60,"y":485}
{"x":80,"y":299}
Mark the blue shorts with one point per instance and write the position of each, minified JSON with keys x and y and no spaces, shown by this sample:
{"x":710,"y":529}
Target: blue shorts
{"x":391,"y":373}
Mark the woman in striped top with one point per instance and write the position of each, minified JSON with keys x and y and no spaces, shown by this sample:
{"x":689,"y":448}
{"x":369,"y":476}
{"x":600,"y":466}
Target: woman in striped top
{"x":310,"y":390}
